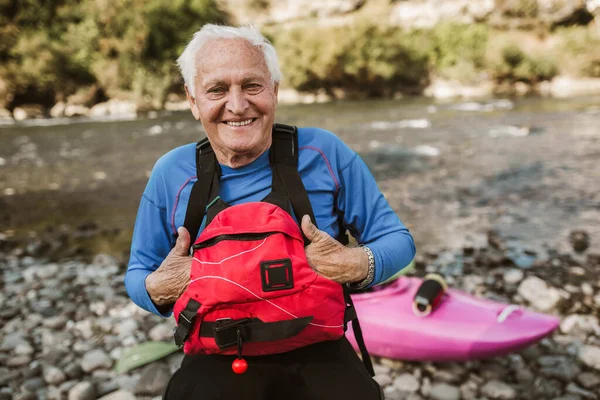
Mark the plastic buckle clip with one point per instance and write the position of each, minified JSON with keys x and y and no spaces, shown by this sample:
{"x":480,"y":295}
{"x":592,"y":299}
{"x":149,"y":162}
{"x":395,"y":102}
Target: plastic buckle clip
{"x":226,"y":330}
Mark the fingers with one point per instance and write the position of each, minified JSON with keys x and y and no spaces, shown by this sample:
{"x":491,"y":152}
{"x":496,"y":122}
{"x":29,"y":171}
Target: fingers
{"x":309,"y":229}
{"x":182,"y":246}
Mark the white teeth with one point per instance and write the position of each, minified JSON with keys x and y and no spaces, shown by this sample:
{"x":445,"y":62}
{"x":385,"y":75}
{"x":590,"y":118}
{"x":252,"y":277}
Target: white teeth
{"x":232,"y":123}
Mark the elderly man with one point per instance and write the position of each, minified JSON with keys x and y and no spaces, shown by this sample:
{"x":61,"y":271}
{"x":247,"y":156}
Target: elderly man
{"x":231,"y":80}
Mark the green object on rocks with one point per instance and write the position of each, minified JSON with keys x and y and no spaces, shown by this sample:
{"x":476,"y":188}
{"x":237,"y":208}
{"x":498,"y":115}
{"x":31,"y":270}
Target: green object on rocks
{"x":143,"y":354}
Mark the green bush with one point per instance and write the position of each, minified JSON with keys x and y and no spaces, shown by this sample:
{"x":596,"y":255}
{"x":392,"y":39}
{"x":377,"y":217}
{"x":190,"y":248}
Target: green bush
{"x":123,"y":46}
{"x":455,"y":44}
{"x":364,"y":60}
{"x":515,"y":65}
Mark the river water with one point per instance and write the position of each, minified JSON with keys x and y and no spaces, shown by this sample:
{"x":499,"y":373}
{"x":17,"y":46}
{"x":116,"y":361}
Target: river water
{"x":528,"y":169}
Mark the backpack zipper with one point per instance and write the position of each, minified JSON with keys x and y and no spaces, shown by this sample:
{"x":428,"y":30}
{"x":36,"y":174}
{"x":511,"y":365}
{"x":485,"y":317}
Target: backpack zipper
{"x":236,"y":236}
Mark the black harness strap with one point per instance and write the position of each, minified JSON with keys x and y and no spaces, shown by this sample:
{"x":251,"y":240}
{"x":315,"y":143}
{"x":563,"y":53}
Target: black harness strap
{"x":252,"y":330}
{"x":207,"y":172}
{"x":185,"y":323}
{"x":350,"y":315}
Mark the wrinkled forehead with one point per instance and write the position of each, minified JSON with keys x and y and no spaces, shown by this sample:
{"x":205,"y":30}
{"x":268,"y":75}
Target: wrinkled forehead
{"x":219,"y":58}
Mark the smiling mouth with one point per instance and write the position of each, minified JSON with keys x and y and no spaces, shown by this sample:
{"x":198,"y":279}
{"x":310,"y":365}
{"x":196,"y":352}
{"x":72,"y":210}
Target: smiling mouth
{"x":240,"y":123}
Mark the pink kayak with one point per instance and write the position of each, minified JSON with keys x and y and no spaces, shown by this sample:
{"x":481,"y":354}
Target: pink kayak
{"x":461,"y":327}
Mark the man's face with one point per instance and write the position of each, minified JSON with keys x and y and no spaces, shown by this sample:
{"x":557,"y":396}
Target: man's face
{"x":234,"y":97}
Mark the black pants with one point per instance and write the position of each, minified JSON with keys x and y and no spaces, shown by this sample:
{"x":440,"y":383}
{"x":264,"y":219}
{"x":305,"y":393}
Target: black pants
{"x":323,"y":371}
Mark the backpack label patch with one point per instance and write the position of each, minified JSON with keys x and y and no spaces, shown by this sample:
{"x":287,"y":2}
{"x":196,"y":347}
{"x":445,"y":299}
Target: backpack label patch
{"x":276,"y":275}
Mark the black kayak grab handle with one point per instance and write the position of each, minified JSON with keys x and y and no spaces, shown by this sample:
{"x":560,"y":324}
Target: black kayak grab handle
{"x":429,"y":294}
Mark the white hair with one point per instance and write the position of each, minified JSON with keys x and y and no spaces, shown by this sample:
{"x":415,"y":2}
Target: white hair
{"x":188,"y":60}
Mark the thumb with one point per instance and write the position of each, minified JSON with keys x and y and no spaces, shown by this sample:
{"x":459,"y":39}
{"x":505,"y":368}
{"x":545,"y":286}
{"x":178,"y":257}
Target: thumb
{"x":182,"y":246}
{"x":309,"y":229}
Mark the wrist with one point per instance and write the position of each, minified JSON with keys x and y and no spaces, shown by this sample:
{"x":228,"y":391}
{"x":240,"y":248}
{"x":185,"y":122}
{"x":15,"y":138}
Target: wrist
{"x":366,"y":274}
{"x":157,"y":295}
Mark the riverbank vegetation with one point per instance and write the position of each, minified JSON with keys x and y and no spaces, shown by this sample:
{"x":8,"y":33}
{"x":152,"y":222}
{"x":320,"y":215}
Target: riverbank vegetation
{"x":374,"y":60}
{"x":86,"y":52}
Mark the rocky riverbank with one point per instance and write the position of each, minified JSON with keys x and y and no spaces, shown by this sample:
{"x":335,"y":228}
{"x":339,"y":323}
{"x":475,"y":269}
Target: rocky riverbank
{"x":66,"y":323}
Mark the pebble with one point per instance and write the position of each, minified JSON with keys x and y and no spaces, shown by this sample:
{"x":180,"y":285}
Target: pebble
{"x":444,"y":391}
{"x":95,"y":359}
{"x":590,"y":356}
{"x":82,"y":391}
{"x":407,"y":383}
{"x":537,"y":292}
{"x":498,"y":390}
{"x":54,"y":376}
{"x":560,"y":367}
{"x":589,"y":380}
{"x":513,"y":276}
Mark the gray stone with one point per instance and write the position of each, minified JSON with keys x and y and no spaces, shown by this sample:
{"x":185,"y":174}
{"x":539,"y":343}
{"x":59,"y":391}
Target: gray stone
{"x":34,"y":369}
{"x":119,"y":395}
{"x":95,"y":359}
{"x":12,"y":340}
{"x":4,"y":376}
{"x":18,"y":361}
{"x":104,"y":388}
{"x":162,"y":331}
{"x":468,"y":390}
{"x":54,"y":376}
{"x":33,"y":384}
{"x":568,"y":397}
{"x":560,"y":367}
{"x":378,"y":368}
{"x":498,"y":390}
{"x":383,"y":379}
{"x":576,"y":390}
{"x":444,"y":391}
{"x":539,"y":294}
{"x":513,"y":276}
{"x":57,"y":322}
{"x":406,"y":383}
{"x":446,"y":377}
{"x":588,"y":380}
{"x":580,"y":325}
{"x":6,"y":393}
{"x":126,"y":328}
{"x":65,"y":387}
{"x":590,"y":356}
{"x":153,"y":380}
{"x":82,"y":391}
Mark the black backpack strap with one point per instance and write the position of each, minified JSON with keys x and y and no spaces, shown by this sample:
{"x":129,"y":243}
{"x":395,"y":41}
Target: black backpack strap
{"x":350,"y":315}
{"x":286,"y":179}
{"x":207,"y":173}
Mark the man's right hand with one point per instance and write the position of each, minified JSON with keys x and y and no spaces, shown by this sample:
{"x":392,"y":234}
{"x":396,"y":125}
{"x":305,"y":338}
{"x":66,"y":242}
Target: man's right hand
{"x":169,"y":281}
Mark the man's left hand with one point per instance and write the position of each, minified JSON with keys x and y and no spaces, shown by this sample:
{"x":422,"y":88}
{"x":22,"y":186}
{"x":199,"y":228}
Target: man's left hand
{"x":330,"y":258}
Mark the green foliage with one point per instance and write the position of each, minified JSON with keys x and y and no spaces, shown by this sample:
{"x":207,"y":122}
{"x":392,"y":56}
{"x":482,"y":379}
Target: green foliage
{"x":364,"y":60}
{"x":517,"y":66}
{"x":455,"y":44}
{"x":121,"y":45}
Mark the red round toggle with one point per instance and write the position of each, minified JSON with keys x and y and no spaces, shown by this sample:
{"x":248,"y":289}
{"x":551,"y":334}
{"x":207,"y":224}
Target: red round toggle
{"x":239,"y":366}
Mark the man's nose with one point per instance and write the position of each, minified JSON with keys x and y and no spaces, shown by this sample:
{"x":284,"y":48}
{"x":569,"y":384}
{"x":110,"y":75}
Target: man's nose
{"x":237,"y":103}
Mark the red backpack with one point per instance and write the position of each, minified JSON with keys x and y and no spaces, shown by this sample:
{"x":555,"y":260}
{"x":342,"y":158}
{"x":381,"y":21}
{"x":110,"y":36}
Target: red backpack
{"x":251,"y":289}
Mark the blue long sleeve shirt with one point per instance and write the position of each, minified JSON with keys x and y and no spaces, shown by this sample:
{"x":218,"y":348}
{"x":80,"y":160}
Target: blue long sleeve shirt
{"x":331,"y":172}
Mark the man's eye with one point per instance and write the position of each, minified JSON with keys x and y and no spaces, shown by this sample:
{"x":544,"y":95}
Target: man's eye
{"x":216,"y":90}
{"x":253,"y":87}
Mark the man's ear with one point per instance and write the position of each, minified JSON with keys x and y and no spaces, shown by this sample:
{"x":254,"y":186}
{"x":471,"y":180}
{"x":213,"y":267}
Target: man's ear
{"x":192,"y":101}
{"x":276,"y":90}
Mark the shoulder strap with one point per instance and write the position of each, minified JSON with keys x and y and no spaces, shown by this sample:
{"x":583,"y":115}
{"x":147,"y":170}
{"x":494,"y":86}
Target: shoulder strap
{"x":284,"y":162}
{"x":208,"y":174}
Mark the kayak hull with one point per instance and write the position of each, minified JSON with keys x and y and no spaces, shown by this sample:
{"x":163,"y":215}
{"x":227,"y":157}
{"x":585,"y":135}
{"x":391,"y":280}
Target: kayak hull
{"x":461,"y":328}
